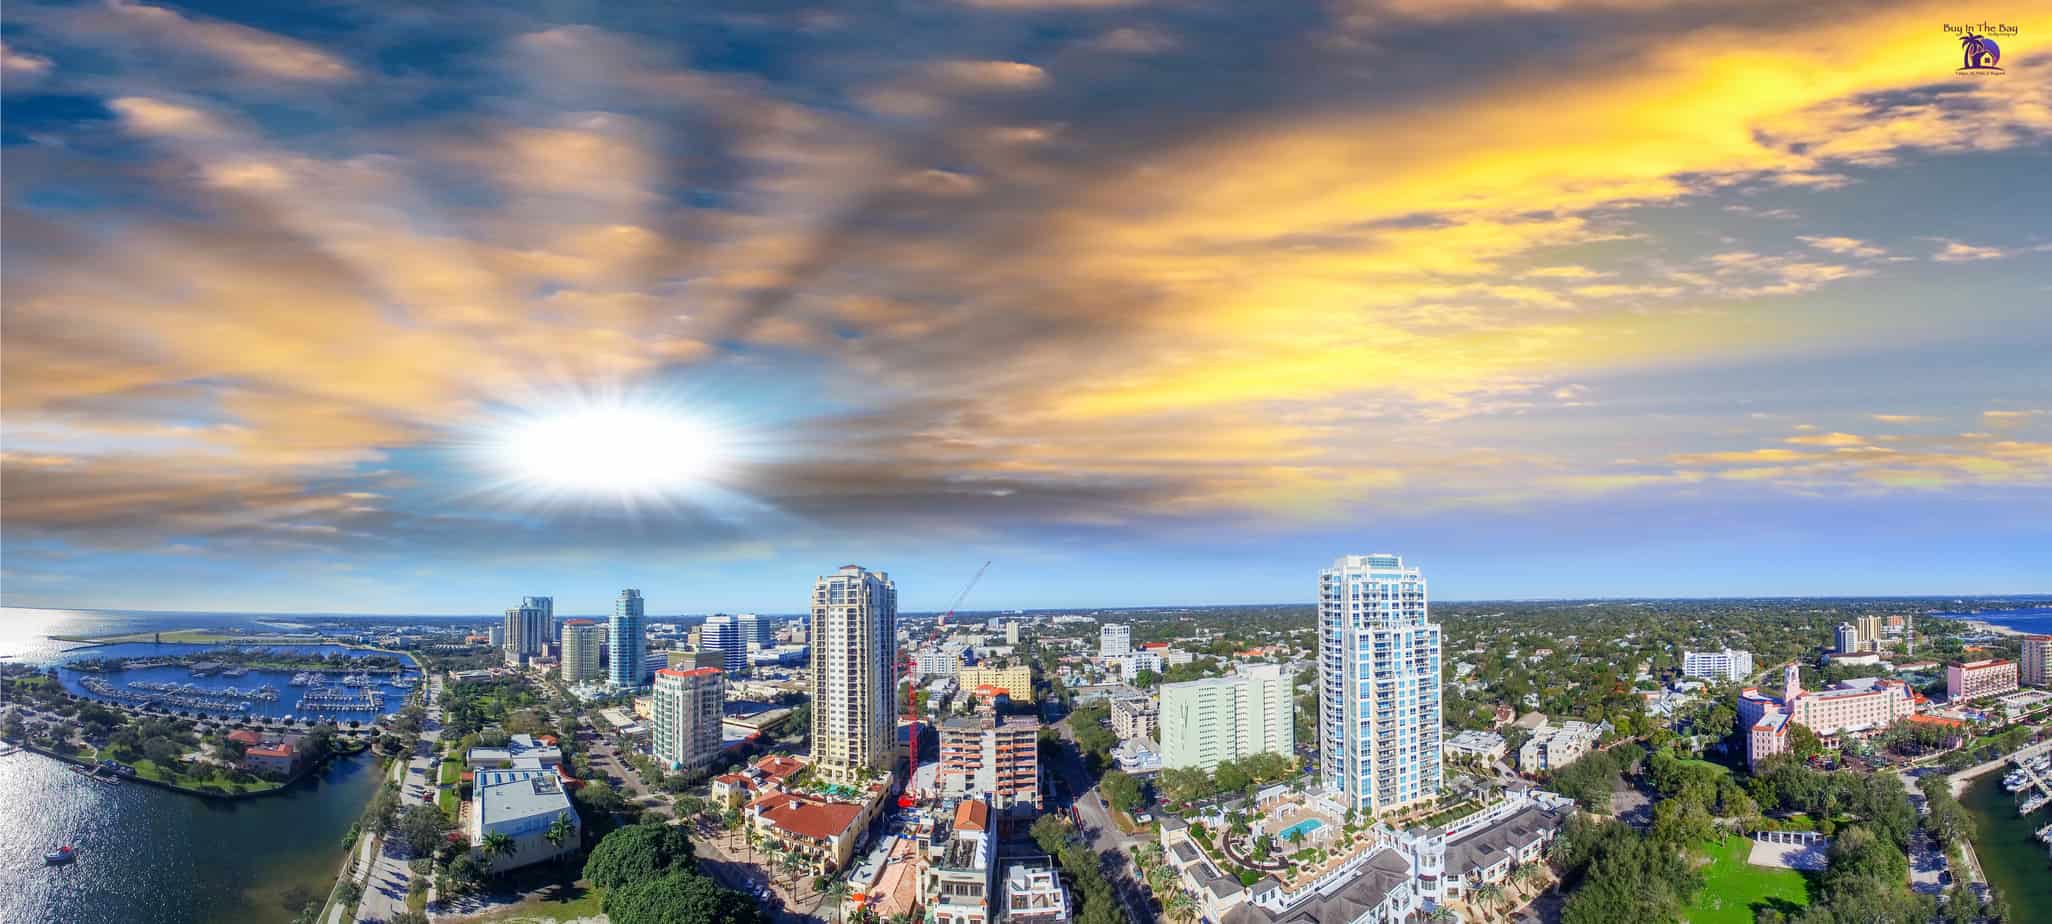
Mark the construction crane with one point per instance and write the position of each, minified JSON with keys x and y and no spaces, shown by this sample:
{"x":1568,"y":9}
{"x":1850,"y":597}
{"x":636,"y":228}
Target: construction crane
{"x":964,"y":595}
{"x":907,"y":799}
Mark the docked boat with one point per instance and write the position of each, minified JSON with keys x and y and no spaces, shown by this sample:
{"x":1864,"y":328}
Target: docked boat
{"x":60,"y":856}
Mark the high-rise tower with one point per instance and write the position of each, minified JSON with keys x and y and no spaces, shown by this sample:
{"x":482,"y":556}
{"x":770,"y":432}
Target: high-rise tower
{"x":1379,"y":720}
{"x":627,"y":641}
{"x":527,"y":629}
{"x":854,"y":682}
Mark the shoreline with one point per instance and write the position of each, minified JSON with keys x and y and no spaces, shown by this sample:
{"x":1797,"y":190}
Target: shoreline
{"x":274,"y":789}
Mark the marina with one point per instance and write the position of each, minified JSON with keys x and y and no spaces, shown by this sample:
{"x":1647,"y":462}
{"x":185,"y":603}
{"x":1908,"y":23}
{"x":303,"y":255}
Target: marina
{"x":2031,"y":780}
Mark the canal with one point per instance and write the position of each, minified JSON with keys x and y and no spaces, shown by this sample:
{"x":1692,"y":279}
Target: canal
{"x":149,"y":856}
{"x":2015,"y":863}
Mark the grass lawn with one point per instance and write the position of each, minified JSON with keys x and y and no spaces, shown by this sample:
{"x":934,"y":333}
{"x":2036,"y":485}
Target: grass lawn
{"x":1732,"y":887}
{"x":447,"y":800}
{"x":452,"y":771}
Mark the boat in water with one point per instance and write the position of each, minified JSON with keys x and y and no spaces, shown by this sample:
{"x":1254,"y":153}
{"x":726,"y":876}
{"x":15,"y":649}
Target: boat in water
{"x":60,"y":856}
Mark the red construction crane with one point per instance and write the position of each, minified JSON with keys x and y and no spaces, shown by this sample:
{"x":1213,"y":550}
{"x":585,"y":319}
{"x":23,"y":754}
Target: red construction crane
{"x":906,"y":799}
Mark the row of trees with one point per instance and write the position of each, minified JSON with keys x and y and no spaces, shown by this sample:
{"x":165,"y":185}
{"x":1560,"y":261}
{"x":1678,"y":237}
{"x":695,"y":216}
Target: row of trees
{"x":649,"y":875}
{"x":1093,"y":891}
{"x":1186,"y":785}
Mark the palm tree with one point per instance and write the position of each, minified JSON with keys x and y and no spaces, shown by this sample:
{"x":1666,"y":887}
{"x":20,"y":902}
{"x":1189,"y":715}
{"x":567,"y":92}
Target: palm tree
{"x":1489,"y":895}
{"x":836,"y":890}
{"x":1971,"y":48}
{"x":495,"y":845}
{"x":558,"y":832}
{"x":1180,"y":908}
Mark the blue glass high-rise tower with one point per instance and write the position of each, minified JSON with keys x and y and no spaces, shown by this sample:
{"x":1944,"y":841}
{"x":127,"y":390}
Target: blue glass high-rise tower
{"x":1379,"y":720}
{"x":627,"y":640}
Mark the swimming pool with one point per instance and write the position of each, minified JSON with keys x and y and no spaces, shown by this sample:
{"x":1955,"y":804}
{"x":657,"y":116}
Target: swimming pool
{"x":1306,"y":826}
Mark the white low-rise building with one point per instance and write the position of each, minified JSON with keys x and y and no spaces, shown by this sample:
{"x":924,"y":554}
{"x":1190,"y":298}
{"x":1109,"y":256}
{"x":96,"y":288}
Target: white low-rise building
{"x":1485,"y":745}
{"x":522,"y":803}
{"x":1727,"y":664}
{"x":515,"y":748}
{"x":1552,"y":747}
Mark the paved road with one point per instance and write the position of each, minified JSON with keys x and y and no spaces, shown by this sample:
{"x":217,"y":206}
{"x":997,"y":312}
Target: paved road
{"x":384,"y":893}
{"x":1105,"y":837}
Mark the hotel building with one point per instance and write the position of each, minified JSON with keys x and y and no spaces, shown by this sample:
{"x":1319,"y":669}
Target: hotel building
{"x":1977,"y":679}
{"x":1860,"y":706}
{"x":1379,"y":722}
{"x":627,"y":641}
{"x":1204,"y":723}
{"x":685,"y":720}
{"x":582,"y":639}
{"x":854,"y":689}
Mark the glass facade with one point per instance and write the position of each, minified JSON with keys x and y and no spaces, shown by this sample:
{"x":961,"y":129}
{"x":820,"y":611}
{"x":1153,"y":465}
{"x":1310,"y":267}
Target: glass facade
{"x":1379,"y":683}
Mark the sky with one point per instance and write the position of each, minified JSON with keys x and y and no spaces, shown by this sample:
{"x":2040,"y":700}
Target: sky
{"x":372,"y":307}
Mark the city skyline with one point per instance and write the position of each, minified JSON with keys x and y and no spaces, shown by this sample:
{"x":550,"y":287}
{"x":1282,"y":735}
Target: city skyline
{"x":401,"y":310}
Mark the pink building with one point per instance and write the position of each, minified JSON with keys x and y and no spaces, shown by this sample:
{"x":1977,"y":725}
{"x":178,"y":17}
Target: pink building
{"x":1976,"y":679}
{"x":1855,"y":707}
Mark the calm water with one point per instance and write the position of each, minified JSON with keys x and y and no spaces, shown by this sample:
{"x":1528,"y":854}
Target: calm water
{"x":2036,"y":620}
{"x":148,"y":856}
{"x":2016,"y":864}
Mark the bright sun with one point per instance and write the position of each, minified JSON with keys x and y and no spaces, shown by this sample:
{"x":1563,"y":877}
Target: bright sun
{"x":613,"y":448}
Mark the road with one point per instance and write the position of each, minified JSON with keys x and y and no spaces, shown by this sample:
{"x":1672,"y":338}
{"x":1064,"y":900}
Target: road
{"x":384,"y":893}
{"x":1104,"y":836}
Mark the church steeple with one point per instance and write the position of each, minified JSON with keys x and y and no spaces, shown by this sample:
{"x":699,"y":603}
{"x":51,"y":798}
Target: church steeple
{"x":1791,"y":682}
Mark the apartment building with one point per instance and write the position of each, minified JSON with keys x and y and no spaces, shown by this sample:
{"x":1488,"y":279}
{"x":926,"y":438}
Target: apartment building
{"x":993,"y":759}
{"x":854,"y":660}
{"x":1380,"y":721}
{"x":1206,"y":722}
{"x":685,"y":716}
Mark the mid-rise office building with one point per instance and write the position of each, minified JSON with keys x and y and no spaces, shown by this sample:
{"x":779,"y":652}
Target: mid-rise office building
{"x":1379,"y":723}
{"x":1114,"y":641}
{"x":725,"y":634}
{"x":1206,"y":722}
{"x":627,"y":641}
{"x":992,"y":759}
{"x":943,"y":660}
{"x":2036,"y":665}
{"x":582,"y":639}
{"x":854,"y":683}
{"x":1977,"y":679}
{"x":1012,"y":632}
{"x":685,"y":716}
{"x":757,"y":630}
{"x":1728,"y":664}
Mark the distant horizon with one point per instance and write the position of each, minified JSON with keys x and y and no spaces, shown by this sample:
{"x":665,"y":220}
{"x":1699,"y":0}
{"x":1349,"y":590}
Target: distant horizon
{"x":2035,"y":600}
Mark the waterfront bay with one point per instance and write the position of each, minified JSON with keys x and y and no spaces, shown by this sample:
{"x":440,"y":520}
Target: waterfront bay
{"x":2015,"y":863}
{"x":150,"y":856}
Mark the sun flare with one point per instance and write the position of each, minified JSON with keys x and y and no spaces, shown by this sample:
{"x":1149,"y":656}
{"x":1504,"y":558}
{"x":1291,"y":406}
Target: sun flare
{"x":614,"y":448}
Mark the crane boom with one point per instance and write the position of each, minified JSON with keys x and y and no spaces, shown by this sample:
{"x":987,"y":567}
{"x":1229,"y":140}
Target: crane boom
{"x":964,"y":595}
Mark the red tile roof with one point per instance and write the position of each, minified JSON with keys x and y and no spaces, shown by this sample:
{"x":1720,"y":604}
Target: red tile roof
{"x":1938,"y":720}
{"x":806,"y":816}
{"x":246,"y":736}
{"x":282,"y":750}
{"x":779,"y":768}
{"x":972,"y":815}
{"x":694,"y":672}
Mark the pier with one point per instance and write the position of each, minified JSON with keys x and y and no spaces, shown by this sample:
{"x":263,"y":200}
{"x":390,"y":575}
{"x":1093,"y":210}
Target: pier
{"x":2029,"y":781}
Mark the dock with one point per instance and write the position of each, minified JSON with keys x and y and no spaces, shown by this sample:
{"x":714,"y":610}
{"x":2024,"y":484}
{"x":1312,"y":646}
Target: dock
{"x":2036,"y":793}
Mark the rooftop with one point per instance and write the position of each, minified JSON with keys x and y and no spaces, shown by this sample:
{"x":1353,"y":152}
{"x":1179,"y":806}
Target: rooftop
{"x":803,"y":815}
{"x":507,"y":795}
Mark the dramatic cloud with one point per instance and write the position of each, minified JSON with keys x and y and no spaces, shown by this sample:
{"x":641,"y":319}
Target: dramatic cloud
{"x":1047,"y":269}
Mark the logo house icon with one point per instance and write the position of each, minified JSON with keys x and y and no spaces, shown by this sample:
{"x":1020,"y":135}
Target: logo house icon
{"x":1980,"y":54}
